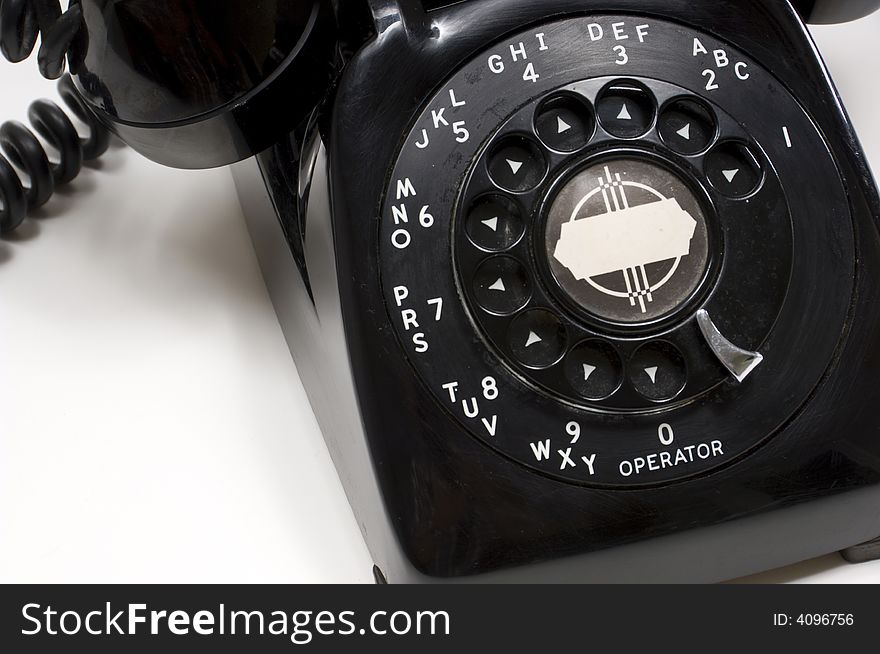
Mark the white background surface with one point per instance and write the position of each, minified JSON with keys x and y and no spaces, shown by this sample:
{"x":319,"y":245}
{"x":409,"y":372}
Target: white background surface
{"x":152,"y":424}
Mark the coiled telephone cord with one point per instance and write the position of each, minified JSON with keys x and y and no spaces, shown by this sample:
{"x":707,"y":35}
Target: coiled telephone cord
{"x":21,"y":22}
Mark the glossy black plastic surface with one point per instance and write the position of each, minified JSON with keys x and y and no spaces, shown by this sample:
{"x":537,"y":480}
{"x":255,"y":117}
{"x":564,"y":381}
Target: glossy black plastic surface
{"x":458,"y":508}
{"x":198,"y":83}
{"x":835,"y":11}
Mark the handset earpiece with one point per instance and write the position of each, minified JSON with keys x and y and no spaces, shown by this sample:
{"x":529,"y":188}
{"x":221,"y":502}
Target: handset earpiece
{"x":198,"y":83}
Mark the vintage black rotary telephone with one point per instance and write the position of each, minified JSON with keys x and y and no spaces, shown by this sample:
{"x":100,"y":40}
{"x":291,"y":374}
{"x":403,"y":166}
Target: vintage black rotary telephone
{"x":580,"y":290}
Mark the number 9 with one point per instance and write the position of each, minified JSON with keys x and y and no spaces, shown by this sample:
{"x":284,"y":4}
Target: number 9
{"x":574,"y":430}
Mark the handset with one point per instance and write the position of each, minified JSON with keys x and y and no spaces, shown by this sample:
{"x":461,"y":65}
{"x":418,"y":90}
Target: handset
{"x":199,"y":83}
{"x":187,"y":83}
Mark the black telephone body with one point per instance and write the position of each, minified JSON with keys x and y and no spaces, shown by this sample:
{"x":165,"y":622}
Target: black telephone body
{"x":580,"y":291}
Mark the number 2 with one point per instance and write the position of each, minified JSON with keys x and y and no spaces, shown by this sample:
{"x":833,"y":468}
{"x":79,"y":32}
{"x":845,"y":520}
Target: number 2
{"x":710,"y":74}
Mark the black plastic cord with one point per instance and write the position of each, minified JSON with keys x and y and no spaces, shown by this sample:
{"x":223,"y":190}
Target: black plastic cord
{"x":21,"y":22}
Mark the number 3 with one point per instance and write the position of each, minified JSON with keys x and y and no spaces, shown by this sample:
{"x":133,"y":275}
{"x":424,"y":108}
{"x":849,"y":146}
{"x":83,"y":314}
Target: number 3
{"x":623,"y":57}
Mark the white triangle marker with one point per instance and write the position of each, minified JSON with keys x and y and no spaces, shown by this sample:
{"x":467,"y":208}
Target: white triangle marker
{"x":685,"y":132}
{"x":498,"y":286}
{"x":730,"y":174}
{"x":514,"y":165}
{"x":652,"y":373}
{"x":492,"y":223}
{"x":533,"y":339}
{"x":563,"y":126}
{"x":624,"y":113}
{"x":588,"y":371}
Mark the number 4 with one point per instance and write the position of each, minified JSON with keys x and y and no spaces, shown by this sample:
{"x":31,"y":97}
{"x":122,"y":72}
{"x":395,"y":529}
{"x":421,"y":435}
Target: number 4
{"x":530,"y":75}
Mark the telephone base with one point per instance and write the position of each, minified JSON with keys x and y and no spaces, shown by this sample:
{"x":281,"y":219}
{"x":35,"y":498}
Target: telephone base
{"x":435,"y":501}
{"x":863,"y":553}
